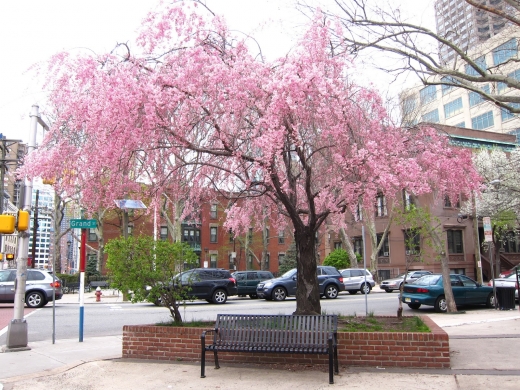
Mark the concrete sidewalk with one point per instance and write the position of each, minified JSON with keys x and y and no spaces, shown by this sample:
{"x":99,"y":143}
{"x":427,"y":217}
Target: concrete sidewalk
{"x":484,"y":346}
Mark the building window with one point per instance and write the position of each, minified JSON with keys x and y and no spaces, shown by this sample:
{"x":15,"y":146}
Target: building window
{"x":458,"y":271}
{"x":213,"y":260}
{"x":250,"y":235}
{"x":281,"y":237}
{"x":447,"y":88}
{"x":460,"y":124}
{"x":267,"y":258}
{"x":480,"y":62}
{"x":505,"y":51}
{"x":506,"y":114}
{"x":453,"y":108}
{"x":432,"y":116}
{"x":501,"y":87}
{"x":448,"y":204}
{"x":412,"y":242}
{"x":455,"y":241}
{"x":385,"y":248}
{"x":381,"y":206}
{"x":130,"y":230}
{"x":213,"y":234}
{"x":357,"y":243}
{"x":359,"y":213}
{"x":408,"y":200}
{"x":337,"y":245}
{"x":281,"y":257}
{"x":164,"y":233}
{"x":483,"y":121}
{"x":92,"y":236}
{"x":476,"y":98}
{"x":428,"y":94}
{"x":213,"y":211}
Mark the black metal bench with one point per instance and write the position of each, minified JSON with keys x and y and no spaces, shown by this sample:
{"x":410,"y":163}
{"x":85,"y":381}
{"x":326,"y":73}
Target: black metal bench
{"x":297,"y":334}
{"x":99,"y":283}
{"x":72,"y":287}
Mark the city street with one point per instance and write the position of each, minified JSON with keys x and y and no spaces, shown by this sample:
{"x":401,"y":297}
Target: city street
{"x":108,"y":319}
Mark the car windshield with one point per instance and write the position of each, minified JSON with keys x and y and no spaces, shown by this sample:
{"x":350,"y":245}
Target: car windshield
{"x":428,"y":280}
{"x":289,"y":273}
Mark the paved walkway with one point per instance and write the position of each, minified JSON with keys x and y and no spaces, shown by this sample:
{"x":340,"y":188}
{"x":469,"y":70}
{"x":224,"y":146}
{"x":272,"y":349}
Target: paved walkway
{"x":484,"y":346}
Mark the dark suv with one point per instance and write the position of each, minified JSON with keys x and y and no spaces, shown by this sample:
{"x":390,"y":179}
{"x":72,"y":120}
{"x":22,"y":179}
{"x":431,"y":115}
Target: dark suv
{"x":329,"y":279}
{"x":248,"y":280}
{"x":39,"y":287}
{"x":212,"y":284}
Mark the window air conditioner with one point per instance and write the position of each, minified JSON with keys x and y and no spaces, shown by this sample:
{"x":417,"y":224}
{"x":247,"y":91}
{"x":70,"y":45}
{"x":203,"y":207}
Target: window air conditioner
{"x":385,"y":254}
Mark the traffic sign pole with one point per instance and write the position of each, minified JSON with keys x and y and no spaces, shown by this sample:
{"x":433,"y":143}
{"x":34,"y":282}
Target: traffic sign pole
{"x":83,"y":254}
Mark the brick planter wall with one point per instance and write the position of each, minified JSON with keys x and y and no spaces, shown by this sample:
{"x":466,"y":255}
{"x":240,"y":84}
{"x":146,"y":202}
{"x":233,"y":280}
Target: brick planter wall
{"x":369,"y":349}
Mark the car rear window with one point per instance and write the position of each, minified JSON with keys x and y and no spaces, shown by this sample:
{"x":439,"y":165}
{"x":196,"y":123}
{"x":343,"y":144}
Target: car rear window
{"x":428,"y":280}
{"x":35,"y":275}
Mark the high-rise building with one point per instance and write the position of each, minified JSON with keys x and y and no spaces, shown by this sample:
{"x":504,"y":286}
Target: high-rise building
{"x":42,"y":240}
{"x":465,"y":25}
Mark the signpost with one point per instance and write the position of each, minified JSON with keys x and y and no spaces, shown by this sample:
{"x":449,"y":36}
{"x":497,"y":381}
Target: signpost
{"x":488,"y":237}
{"x":82,"y":224}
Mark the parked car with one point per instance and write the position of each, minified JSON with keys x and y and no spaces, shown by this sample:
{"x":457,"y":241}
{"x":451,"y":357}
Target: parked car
{"x":248,"y":280}
{"x":214,"y":285}
{"x":354,"y":280}
{"x":429,"y":291}
{"x":39,"y":287}
{"x":505,"y":274}
{"x":329,"y":279}
{"x":508,"y":281}
{"x":392,"y":284}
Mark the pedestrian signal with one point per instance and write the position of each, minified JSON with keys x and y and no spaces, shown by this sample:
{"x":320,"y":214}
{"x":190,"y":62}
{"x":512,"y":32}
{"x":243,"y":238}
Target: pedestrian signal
{"x":7,"y":223}
{"x":23,"y":221}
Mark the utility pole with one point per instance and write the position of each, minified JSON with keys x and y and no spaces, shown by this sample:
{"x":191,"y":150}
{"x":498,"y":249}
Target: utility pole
{"x":17,"y":334}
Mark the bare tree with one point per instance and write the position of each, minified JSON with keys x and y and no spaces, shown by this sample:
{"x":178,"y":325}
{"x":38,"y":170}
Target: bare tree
{"x":368,"y":26}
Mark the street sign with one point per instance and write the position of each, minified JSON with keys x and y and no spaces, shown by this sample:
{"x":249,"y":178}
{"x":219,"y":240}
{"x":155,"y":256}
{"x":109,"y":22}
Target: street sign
{"x":488,"y":232}
{"x":83,"y":223}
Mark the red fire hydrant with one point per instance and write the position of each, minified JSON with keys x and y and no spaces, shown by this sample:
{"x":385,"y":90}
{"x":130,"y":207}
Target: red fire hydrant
{"x":98,"y":294}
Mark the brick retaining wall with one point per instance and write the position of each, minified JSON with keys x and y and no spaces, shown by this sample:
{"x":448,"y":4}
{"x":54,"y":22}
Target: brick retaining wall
{"x":381,"y":349}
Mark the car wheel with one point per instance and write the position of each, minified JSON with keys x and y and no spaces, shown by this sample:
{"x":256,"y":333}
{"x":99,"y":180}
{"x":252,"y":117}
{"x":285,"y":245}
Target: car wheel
{"x":219,"y":296}
{"x":353,"y":292}
{"x":389,"y":291}
{"x":441,"y":306}
{"x":414,"y":306}
{"x":365,"y":288}
{"x":253,"y":296}
{"x":35,"y":299}
{"x":331,"y":291}
{"x":490,"y":300}
{"x":279,"y":294}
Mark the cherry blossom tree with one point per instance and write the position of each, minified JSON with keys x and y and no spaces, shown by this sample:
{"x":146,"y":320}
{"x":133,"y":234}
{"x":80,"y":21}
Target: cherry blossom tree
{"x":295,"y":137}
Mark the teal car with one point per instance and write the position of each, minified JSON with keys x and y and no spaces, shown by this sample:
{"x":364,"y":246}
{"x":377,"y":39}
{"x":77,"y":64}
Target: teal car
{"x":429,"y":291}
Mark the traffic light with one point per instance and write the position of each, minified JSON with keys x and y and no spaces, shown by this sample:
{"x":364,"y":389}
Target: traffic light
{"x":23,"y":221}
{"x":7,"y":224}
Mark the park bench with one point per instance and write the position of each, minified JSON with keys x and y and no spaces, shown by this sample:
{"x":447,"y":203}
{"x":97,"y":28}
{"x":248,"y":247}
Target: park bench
{"x":294,"y":334}
{"x":99,"y":283}
{"x":72,"y":287}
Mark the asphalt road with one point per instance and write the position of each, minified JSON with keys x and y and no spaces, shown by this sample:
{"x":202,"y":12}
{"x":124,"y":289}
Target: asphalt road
{"x":107,"y":319}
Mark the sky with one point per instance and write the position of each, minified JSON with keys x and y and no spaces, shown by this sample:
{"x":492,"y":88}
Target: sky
{"x":32,"y":31}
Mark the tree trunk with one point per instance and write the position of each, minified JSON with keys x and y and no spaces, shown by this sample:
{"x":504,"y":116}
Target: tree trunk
{"x":307,"y":293}
{"x":349,"y":248}
{"x":446,"y":283}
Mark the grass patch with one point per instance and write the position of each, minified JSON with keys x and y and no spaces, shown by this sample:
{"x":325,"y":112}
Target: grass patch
{"x":381,"y":324}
